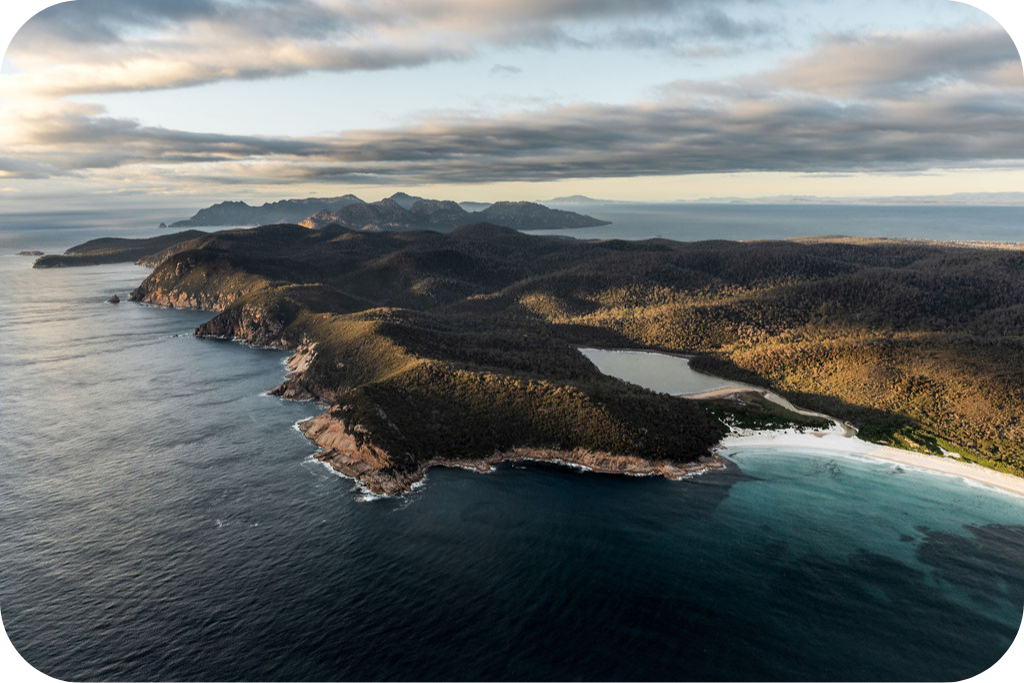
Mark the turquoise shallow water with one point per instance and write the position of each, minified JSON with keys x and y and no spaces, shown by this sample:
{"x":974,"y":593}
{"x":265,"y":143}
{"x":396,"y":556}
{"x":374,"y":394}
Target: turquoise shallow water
{"x":163,"y":520}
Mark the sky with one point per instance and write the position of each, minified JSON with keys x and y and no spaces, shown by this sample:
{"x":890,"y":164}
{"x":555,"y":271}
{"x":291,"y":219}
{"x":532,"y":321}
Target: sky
{"x":186,"y":102}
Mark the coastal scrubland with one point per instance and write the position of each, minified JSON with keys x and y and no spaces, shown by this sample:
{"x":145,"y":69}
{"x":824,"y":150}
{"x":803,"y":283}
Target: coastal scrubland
{"x":430,"y":346}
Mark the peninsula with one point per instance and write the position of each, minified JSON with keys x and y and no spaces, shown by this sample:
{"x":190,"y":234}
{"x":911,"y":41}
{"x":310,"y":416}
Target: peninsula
{"x":461,"y":348}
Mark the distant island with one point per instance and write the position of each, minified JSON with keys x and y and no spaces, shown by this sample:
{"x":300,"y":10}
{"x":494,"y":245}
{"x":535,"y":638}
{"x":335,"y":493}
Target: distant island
{"x":399,"y":212}
{"x":462,"y":348}
{"x":285,"y":211}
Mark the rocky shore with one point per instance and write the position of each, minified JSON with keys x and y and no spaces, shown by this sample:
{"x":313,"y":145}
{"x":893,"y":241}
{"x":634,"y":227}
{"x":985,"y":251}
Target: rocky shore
{"x":342,"y":450}
{"x":348,"y":449}
{"x":463,"y":345}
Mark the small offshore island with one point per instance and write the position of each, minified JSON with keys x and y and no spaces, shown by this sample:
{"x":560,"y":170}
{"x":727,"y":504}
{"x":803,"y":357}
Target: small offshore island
{"x":461,"y":348}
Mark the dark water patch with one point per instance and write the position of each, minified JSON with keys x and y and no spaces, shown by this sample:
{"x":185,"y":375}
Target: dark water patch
{"x":988,"y":564}
{"x":883,"y":606}
{"x":774,"y":550}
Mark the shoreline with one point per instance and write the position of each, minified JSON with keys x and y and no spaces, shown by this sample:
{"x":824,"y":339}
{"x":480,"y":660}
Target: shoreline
{"x":840,"y":439}
{"x":367,"y":465}
{"x":736,"y":393}
{"x":824,"y":443}
{"x":350,"y":461}
{"x":340,"y":451}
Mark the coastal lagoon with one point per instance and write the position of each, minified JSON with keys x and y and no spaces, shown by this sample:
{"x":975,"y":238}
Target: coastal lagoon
{"x":662,"y":372}
{"x":163,"y":520}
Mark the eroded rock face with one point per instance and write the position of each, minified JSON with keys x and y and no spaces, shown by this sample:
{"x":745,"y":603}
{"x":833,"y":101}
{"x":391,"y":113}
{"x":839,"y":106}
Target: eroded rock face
{"x":294,"y":386}
{"x":252,"y":323}
{"x":191,"y":279}
{"x":178,"y":299}
{"x":349,"y":452}
{"x":115,"y":299}
{"x":186,"y":281}
{"x":330,"y":432}
{"x":165,"y":289}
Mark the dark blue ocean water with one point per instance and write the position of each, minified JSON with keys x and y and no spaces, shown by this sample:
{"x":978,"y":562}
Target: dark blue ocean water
{"x":163,"y":520}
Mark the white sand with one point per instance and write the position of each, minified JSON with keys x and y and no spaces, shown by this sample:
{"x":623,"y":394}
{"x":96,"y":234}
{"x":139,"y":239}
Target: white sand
{"x":835,"y":441}
{"x":840,"y":439}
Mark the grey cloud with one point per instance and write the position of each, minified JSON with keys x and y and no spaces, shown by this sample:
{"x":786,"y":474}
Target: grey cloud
{"x":505,"y":70}
{"x":78,"y":142}
{"x":204,"y":41}
{"x":90,"y":21}
{"x":798,"y":134}
{"x":695,"y":28}
{"x":608,"y":142}
{"x":726,"y":38}
{"x":889,"y":63}
{"x":718,"y":23}
{"x":325,"y":57}
{"x":27,"y":169}
{"x":94,"y":21}
{"x":911,"y":109}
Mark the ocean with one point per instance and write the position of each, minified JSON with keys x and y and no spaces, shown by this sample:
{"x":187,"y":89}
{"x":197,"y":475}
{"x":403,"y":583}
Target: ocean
{"x":689,"y":222}
{"x":163,"y":520}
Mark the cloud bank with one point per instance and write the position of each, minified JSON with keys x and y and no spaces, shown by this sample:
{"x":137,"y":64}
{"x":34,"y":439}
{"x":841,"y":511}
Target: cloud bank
{"x":882,"y":101}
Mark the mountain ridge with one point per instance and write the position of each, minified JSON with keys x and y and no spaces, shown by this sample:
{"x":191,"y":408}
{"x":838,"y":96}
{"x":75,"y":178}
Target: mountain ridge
{"x":238,"y":213}
{"x":396,"y":213}
{"x":400,"y":212}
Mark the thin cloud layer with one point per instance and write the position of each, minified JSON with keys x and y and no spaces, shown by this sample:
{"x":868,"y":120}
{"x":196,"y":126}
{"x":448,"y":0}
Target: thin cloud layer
{"x":104,"y":46}
{"x":881,"y":64}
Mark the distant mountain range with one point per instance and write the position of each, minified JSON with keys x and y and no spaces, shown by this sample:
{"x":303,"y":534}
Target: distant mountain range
{"x":398,"y":212}
{"x":581,"y":200}
{"x":285,"y":211}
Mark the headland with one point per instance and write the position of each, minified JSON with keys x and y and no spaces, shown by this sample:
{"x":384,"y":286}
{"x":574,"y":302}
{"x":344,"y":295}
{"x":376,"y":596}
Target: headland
{"x":462,"y":347}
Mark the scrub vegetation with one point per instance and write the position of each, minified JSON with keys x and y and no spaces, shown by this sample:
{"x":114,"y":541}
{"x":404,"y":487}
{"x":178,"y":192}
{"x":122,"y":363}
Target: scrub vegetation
{"x":465,"y":342}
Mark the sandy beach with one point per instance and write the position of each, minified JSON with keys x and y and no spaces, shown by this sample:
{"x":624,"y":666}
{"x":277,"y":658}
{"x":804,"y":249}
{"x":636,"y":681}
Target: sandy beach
{"x":836,"y":441}
{"x":839,"y":439}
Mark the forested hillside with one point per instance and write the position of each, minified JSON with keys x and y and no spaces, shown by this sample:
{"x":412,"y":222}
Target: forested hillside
{"x":464,"y":342}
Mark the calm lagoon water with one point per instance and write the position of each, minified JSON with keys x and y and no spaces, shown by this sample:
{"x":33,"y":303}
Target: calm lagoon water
{"x":163,"y":520}
{"x":656,"y":371}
